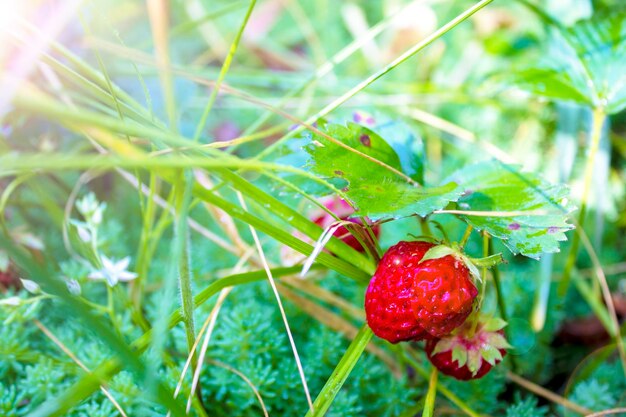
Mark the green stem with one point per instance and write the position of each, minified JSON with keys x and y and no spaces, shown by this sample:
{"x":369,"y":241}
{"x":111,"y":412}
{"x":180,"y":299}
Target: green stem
{"x":466,"y":235}
{"x":429,"y":406}
{"x":182,"y":246}
{"x":425,"y":226}
{"x":598,"y":120}
{"x":341,"y":372}
{"x":442,"y":389}
{"x":148,"y":217}
{"x":223,"y":71}
{"x":483,"y":285}
{"x":495,"y":272}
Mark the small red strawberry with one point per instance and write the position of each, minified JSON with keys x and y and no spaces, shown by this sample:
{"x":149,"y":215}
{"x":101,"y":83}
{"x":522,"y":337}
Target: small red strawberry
{"x":443,"y":294}
{"x":419,"y":290}
{"x":342,"y":210}
{"x":390,"y":294}
{"x":470,"y":351}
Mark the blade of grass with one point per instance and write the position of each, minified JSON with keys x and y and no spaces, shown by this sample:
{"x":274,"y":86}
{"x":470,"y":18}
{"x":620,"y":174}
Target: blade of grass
{"x":270,"y":278}
{"x":598,"y":120}
{"x":341,"y":266}
{"x":613,"y":326}
{"x":193,"y":24}
{"x":325,"y":69}
{"x":429,"y":403}
{"x":341,"y":372}
{"x":378,"y":74}
{"x":159,"y":16}
{"x":181,"y":256}
{"x":83,"y":73}
{"x":223,"y":72}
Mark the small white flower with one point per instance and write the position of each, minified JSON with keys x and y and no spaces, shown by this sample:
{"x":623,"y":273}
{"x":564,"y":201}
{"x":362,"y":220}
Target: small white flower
{"x":91,"y":209}
{"x":84,"y":234}
{"x":11,"y":301}
{"x":30,"y":286}
{"x":96,"y":217}
{"x":113,"y":272}
{"x":73,"y":286}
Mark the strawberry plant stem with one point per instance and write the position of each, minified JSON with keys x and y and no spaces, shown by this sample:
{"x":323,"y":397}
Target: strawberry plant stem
{"x":466,"y":235}
{"x":425,"y":226}
{"x":429,"y":404}
{"x":408,"y":354}
{"x":495,"y":272}
{"x":598,"y":119}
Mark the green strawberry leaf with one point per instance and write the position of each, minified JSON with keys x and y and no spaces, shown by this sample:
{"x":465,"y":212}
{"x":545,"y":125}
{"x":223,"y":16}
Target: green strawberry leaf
{"x":584,"y":63}
{"x":529,"y":214}
{"x":372,"y":176}
{"x":407,"y":145}
{"x":436,"y":252}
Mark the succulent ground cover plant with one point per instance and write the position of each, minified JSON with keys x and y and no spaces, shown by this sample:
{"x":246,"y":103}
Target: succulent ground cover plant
{"x":308,"y":208}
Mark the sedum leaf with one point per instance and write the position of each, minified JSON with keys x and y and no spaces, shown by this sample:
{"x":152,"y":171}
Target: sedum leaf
{"x":538,"y":210}
{"x":375,"y":190}
{"x":584,"y":63}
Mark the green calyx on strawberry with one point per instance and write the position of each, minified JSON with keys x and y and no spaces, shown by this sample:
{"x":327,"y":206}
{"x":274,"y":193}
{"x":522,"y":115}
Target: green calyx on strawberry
{"x":471,"y":350}
{"x":472,"y":264}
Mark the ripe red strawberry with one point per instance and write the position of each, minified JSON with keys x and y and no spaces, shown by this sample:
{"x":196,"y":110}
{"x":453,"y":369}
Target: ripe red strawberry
{"x":443,"y":294}
{"x":469,"y":353}
{"x":411,"y":299}
{"x":342,"y":210}
{"x":390,"y":294}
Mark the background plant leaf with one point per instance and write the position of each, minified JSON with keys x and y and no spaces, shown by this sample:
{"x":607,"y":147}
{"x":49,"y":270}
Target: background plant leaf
{"x":583,"y":63}
{"x":494,"y":186}
{"x":375,"y":190}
